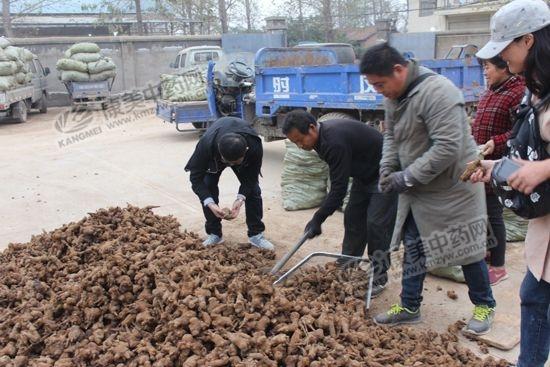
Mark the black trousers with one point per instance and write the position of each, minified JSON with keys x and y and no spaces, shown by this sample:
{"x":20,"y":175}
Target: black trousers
{"x":369,"y":219}
{"x":497,"y":231}
{"x":253,"y":207}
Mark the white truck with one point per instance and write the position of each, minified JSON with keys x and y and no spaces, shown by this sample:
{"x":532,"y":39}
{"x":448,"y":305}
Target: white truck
{"x":16,"y":103}
{"x":191,"y":57}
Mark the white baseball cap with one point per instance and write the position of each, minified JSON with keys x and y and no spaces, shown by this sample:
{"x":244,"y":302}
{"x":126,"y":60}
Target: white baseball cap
{"x":514,"y":20}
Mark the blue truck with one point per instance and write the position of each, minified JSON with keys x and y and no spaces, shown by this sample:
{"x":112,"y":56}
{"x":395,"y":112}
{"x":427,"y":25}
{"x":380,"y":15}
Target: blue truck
{"x":320,"y":79}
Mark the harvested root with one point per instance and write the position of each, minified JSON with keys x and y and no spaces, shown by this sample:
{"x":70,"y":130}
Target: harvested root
{"x":124,"y":287}
{"x":470,"y":169}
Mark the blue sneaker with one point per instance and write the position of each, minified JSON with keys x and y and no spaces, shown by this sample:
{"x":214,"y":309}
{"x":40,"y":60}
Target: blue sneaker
{"x":212,"y":240}
{"x":260,"y":242}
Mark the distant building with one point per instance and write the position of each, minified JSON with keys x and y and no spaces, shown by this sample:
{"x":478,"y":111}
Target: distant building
{"x":98,"y":24}
{"x":451,"y":15}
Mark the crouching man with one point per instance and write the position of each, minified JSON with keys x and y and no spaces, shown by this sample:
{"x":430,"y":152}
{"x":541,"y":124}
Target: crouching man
{"x":352,"y":150}
{"x":229,"y":142}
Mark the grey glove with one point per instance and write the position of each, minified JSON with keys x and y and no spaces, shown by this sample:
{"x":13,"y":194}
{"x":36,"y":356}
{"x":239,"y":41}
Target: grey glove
{"x":398,"y":182}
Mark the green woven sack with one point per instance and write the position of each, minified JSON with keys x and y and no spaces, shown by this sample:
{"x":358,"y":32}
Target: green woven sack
{"x":304,"y":178}
{"x":84,"y":47}
{"x":86,"y":57}
{"x":74,"y":76}
{"x":71,"y":65}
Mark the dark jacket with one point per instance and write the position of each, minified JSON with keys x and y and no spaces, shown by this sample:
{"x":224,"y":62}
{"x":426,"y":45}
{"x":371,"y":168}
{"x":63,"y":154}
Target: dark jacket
{"x":351,"y":149}
{"x":206,"y":158}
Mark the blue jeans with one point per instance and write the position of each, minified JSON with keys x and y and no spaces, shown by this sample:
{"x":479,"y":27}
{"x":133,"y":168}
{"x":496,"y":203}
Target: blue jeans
{"x":414,"y":272}
{"x":535,"y":322}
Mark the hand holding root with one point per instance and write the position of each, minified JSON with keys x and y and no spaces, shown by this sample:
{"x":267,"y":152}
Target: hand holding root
{"x":471,"y":168}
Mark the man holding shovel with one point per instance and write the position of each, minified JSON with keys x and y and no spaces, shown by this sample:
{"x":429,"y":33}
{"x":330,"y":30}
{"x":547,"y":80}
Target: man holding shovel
{"x":229,"y":142}
{"x":352,"y":150}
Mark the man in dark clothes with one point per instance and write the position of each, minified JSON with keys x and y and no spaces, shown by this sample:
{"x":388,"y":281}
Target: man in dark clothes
{"x":351,"y":149}
{"x":229,"y":142}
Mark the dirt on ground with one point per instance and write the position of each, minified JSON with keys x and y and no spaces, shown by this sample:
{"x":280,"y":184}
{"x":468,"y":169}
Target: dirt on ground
{"x":127,"y":287}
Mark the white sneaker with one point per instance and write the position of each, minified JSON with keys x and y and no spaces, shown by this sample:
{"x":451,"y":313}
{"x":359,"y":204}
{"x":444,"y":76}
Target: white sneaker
{"x":212,"y":240}
{"x":260,"y":242}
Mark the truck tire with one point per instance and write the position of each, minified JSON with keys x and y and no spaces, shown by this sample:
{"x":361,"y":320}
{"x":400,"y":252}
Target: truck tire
{"x":335,"y":116}
{"x":43,"y":104}
{"x":200,"y":125}
{"x":19,"y":111}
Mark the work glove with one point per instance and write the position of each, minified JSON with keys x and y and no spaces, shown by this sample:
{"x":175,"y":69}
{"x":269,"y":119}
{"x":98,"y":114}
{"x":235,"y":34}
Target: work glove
{"x":398,"y":182}
{"x":313,"y":228}
{"x":383,"y":179}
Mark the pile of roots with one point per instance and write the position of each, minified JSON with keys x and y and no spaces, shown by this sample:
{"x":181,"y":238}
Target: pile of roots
{"x":124,"y":287}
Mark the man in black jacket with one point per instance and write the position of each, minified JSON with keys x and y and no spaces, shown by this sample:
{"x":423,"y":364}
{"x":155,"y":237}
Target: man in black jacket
{"x":351,"y":149}
{"x":229,"y":142}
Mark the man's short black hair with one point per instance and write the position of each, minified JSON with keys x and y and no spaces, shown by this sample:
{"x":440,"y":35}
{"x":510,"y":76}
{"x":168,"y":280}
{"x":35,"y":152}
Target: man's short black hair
{"x":232,"y":147}
{"x":299,"y":120}
{"x":380,"y":59}
{"x":497,"y":61}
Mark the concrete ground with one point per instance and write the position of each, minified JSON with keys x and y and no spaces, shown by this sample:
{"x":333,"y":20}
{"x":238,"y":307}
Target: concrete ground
{"x":52,"y":173}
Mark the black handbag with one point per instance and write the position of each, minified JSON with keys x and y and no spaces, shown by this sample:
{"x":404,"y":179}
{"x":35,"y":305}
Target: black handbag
{"x":525,"y":143}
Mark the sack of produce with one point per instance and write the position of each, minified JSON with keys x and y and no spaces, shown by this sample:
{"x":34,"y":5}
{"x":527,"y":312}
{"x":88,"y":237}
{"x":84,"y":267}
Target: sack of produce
{"x":74,"y":76}
{"x":25,"y":55}
{"x":450,"y":272}
{"x":71,"y":65}
{"x":21,"y":78}
{"x":7,"y":83}
{"x":304,"y":178}
{"x":104,"y":75}
{"x":84,"y":47}
{"x":12,"y":53}
{"x":103,"y":64}
{"x":4,"y":42}
{"x":8,"y":68}
{"x":86,"y":57}
{"x":190,"y":86}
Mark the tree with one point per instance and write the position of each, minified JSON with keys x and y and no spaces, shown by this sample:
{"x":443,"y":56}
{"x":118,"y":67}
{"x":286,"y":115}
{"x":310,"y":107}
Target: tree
{"x":12,"y":9}
{"x":114,"y":9}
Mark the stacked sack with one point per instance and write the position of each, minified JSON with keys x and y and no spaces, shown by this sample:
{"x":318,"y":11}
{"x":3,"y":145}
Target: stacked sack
{"x":14,"y":68}
{"x":304,"y":178}
{"x":189,"y":86}
{"x":83,"y":62}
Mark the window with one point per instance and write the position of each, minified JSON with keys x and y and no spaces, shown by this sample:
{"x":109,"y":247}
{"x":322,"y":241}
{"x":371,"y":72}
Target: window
{"x":32,"y":67}
{"x":182,"y":62}
{"x":427,"y":7}
{"x":177,"y":61}
{"x":39,"y":67}
{"x":204,"y":57}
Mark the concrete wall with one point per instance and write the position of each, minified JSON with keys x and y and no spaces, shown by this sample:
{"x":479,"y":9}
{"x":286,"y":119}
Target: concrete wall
{"x":139,"y":59}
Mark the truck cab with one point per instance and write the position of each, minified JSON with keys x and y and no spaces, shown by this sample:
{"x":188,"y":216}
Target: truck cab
{"x":39,"y":83}
{"x":195,"y":56}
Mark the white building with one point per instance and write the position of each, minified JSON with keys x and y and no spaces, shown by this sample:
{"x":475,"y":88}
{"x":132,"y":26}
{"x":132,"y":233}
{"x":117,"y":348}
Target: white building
{"x":451,"y":15}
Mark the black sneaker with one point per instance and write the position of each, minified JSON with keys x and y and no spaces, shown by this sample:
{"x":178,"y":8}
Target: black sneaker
{"x":377,"y":289}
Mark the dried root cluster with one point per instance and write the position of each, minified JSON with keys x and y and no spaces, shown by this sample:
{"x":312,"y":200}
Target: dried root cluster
{"x":124,"y":287}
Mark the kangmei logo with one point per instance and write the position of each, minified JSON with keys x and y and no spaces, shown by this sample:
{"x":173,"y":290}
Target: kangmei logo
{"x":71,"y":122}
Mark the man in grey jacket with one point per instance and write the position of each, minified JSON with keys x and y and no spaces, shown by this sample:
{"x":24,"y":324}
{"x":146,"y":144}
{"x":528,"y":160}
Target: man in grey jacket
{"x":427,"y":144}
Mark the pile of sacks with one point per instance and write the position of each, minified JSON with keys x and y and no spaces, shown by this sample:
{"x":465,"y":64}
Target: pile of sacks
{"x":14,"y":68}
{"x":83,"y":62}
{"x":185,"y":87}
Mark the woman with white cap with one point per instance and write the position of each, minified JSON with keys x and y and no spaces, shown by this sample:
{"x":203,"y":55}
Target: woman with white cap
{"x":520,"y":33}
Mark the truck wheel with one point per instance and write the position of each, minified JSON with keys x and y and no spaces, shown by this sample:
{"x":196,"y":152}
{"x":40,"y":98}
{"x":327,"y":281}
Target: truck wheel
{"x":335,"y":116}
{"x":19,"y":111}
{"x":43,"y":105}
{"x":199,"y":125}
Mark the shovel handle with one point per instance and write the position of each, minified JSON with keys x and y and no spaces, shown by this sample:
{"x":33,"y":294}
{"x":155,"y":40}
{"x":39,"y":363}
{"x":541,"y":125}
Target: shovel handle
{"x":289,"y":254}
